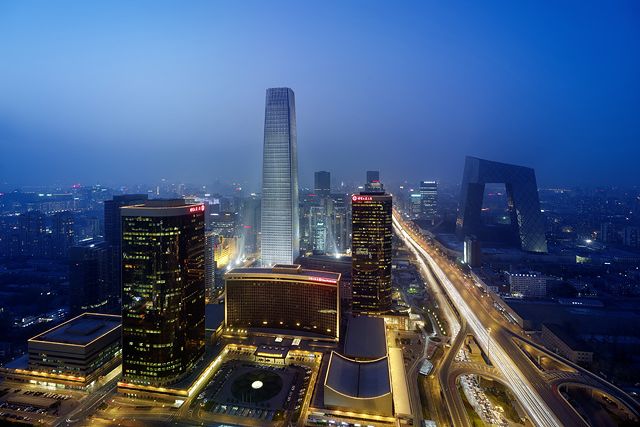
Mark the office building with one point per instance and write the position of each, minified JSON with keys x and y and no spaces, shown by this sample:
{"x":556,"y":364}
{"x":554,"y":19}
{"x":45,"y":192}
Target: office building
{"x":72,"y":354}
{"x":88,"y":272}
{"x":527,"y":222}
{"x":318,"y":220}
{"x":472,"y":252}
{"x":112,"y":235}
{"x":631,"y":237}
{"x":531,"y":284}
{"x":371,"y":248}
{"x":163,"y":287}
{"x":415,"y":204}
{"x":428,"y":200}
{"x":284,"y":297}
{"x":322,"y":184}
{"x":209,"y":264}
{"x":280,"y":219}
{"x":373,"y":178}
{"x":62,"y":234}
{"x":560,"y":341}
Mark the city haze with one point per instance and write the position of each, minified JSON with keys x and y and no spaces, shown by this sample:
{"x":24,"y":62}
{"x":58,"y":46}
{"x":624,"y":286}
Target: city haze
{"x":137,"y":92}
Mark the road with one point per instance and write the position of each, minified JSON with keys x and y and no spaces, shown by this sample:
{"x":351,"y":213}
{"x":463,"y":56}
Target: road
{"x":494,"y":335}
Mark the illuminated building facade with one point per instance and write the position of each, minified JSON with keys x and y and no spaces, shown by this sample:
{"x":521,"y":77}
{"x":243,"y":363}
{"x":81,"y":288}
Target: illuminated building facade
{"x":163,"y":290}
{"x":284,"y":297}
{"x":280,"y":219}
{"x":428,"y":200}
{"x":72,"y":354}
{"x":371,"y":249}
{"x":527,"y":221}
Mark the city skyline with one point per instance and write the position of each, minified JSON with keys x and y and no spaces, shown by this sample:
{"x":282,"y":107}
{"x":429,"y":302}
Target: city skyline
{"x":444,"y":229}
{"x":74,"y":92}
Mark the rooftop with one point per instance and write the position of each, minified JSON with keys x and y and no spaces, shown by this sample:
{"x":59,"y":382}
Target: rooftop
{"x":81,"y":330}
{"x":358,"y":379}
{"x":365,"y":338}
{"x":295,"y":269}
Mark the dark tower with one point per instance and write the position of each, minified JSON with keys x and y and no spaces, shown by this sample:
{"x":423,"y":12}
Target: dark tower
{"x":162,"y":290}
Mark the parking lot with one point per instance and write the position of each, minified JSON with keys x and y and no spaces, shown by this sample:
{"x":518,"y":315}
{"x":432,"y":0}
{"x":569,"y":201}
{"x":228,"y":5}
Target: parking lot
{"x":25,"y":405}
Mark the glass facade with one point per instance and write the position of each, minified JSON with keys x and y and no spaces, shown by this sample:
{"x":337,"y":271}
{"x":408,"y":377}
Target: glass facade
{"x":522,"y":194}
{"x":305,"y":301}
{"x":280,"y":222}
{"x":371,"y":249}
{"x":428,"y":200}
{"x":163,"y":291}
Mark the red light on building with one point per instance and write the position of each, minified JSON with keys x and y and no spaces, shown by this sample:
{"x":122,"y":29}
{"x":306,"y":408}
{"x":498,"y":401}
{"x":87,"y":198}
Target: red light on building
{"x":198,"y":208}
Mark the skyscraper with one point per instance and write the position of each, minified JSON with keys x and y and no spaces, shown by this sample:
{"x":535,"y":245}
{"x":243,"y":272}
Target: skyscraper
{"x":322,"y":183}
{"x":87,"y":278}
{"x":371,"y":251}
{"x":527,"y":222}
{"x":112,"y":235}
{"x":428,"y":200}
{"x":373,"y":179}
{"x":280,"y":221}
{"x":162,"y":290}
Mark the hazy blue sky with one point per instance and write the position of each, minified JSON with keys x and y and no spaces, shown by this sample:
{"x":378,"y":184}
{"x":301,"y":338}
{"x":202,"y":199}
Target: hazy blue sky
{"x":134,"y":91}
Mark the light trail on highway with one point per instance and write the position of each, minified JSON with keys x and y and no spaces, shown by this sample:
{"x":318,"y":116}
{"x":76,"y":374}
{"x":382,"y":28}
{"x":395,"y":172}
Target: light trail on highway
{"x":537,"y":409}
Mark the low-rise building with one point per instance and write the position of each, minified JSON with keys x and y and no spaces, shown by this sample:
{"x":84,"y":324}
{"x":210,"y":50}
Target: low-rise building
{"x":72,"y":354}
{"x":558,"y":340}
{"x":531,"y":284}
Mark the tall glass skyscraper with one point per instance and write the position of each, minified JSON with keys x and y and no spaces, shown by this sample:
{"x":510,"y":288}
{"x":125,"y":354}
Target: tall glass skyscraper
{"x":371,"y":250}
{"x":280,"y":221}
{"x":163,"y":333}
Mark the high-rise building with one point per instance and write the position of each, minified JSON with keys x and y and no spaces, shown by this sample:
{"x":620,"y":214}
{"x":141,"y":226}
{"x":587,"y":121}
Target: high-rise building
{"x":319,"y":228}
{"x":62,"y":234}
{"x":112,"y":235}
{"x":371,"y":249}
{"x":163,"y":287}
{"x":280,"y":220}
{"x":527,"y":222}
{"x":88,"y":268}
{"x":341,"y":223}
{"x":373,"y":178}
{"x":322,"y":183}
{"x":209,"y":264}
{"x":428,"y":200}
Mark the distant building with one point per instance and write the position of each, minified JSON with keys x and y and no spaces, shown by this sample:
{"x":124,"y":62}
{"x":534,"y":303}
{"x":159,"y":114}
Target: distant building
{"x":62,"y":234}
{"x":558,"y":340}
{"x":527,"y":222}
{"x":609,"y":233}
{"x":472,"y":252}
{"x":531,"y":284}
{"x":341,"y":223}
{"x":163,"y":287}
{"x":373,"y":181}
{"x":428,"y":200}
{"x":416,"y":205}
{"x":283,"y":297}
{"x":280,"y":217}
{"x":631,"y":237}
{"x":322,"y":183}
{"x":371,"y":214}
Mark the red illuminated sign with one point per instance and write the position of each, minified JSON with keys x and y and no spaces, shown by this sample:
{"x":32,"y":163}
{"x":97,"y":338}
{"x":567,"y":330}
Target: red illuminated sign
{"x":198,"y":208}
{"x":356,"y":198}
{"x":323,"y":280}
